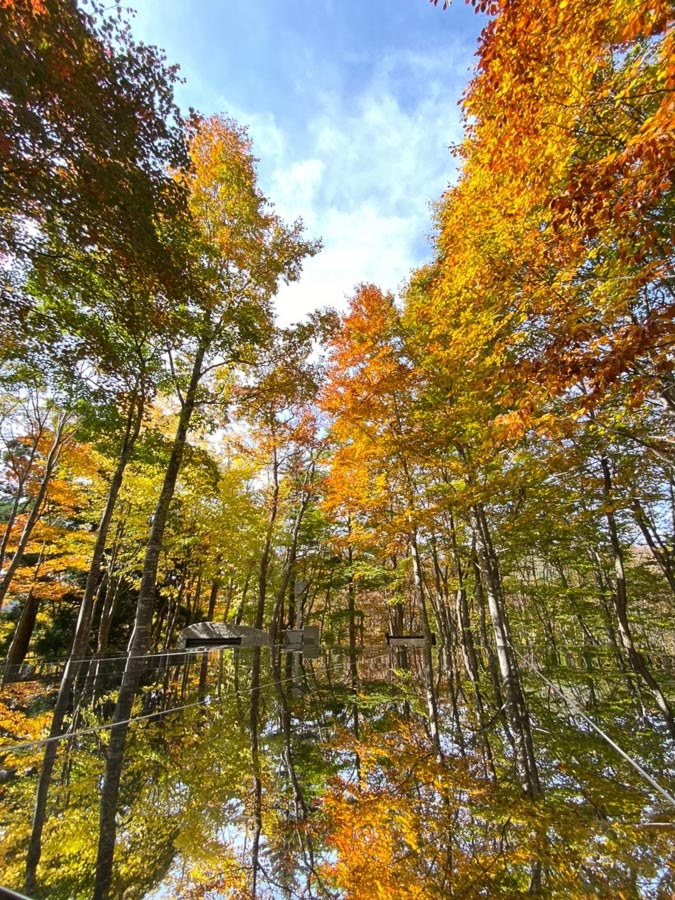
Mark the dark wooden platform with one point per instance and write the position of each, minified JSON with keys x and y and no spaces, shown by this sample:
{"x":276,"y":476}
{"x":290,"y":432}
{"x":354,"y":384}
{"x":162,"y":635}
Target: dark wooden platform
{"x":407,"y":640}
{"x":212,"y":642}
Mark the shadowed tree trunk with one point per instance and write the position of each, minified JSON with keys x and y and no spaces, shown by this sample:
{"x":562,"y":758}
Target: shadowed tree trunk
{"x":58,"y":440}
{"x":265,"y":556}
{"x":468,"y":647}
{"x":660,"y":550}
{"x":21,"y":481}
{"x":432,"y":702}
{"x":620,"y":601}
{"x":203,"y":671}
{"x":139,"y":642}
{"x":24,"y":629}
{"x":516,"y":707}
{"x":257,"y":776}
{"x":80,"y":643}
{"x":301,"y":808}
{"x":291,"y":556}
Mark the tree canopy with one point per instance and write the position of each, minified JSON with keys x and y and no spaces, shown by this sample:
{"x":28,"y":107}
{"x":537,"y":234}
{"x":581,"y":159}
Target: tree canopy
{"x":479,"y":466}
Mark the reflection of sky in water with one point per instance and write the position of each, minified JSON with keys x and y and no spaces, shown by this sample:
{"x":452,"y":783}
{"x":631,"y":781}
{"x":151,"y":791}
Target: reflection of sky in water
{"x":330,"y":748}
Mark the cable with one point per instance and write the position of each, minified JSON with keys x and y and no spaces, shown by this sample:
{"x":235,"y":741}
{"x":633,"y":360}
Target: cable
{"x":26,"y":745}
{"x":574,"y":709}
{"x":101,"y":659}
{"x":9,"y":748}
{"x":104,"y":659}
{"x":41,"y":742}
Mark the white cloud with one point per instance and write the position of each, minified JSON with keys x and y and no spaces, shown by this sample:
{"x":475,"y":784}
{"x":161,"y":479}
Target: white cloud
{"x":363,"y":173}
{"x":371,"y":169}
{"x":294,"y":189}
{"x":354,"y":144}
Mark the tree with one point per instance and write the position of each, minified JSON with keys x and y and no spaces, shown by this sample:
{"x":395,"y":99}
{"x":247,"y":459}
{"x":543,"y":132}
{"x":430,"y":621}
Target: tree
{"x":371,"y":393}
{"x":89,"y":128}
{"x":567,"y":163}
{"x":283,"y":437}
{"x":243,"y":250}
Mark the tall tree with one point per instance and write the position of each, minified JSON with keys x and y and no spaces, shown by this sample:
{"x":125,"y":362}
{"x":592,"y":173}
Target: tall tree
{"x":89,"y":127}
{"x":243,"y":250}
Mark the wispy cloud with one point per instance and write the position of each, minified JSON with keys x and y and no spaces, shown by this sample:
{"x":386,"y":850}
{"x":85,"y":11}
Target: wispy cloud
{"x":364,"y":174}
{"x":351,"y":116}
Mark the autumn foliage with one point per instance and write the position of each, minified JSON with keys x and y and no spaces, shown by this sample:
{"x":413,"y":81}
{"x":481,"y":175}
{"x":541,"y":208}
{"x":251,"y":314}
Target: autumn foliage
{"x":483,"y":463}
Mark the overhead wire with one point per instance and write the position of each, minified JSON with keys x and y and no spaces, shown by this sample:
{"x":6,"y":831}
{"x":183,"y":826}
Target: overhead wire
{"x":124,"y":656}
{"x":576,"y":711}
{"x":53,"y":660}
{"x":107,"y":726}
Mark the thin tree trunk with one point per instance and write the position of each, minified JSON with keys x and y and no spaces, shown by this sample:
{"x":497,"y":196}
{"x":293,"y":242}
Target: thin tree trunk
{"x":608,"y":616}
{"x":257,"y":774}
{"x":587,"y":638}
{"x":265,"y":556}
{"x":351,"y":617}
{"x":79,"y":645}
{"x":301,"y":808}
{"x":139,"y":641}
{"x":24,"y":629}
{"x":173,"y":610}
{"x":468,"y":648}
{"x":432,"y":703}
{"x":660,"y":551}
{"x":516,"y":708}
{"x":50,"y":464}
{"x":620,"y":601}
{"x":21,"y":483}
{"x":289,"y":568}
{"x":491,"y":660}
{"x":441,"y":608}
{"x":203,"y":671}
{"x":193,"y":609}
{"x":244,"y":593}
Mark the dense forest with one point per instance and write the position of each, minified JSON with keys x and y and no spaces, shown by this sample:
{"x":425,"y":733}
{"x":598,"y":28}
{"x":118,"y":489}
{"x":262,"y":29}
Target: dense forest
{"x":486,"y":460}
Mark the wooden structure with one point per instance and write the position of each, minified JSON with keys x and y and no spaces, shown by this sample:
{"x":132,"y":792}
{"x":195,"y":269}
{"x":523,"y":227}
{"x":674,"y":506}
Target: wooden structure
{"x":408,"y":640}
{"x":217,"y":634}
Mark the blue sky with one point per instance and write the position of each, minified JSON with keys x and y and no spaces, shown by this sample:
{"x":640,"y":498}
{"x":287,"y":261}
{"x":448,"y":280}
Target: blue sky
{"x":352,"y":105}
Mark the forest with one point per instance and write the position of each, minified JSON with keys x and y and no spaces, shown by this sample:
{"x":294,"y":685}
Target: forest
{"x":484,"y":459}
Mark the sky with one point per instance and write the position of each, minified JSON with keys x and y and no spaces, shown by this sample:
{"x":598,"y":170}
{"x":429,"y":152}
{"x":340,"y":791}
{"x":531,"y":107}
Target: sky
{"x":352,"y":106}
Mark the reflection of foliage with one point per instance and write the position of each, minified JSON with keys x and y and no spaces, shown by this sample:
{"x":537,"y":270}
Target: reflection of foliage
{"x":386,"y":817}
{"x":412,"y":826}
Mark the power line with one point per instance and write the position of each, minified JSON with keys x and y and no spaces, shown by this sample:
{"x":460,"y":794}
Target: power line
{"x":124,"y":656}
{"x":94,"y":729}
{"x":102,"y":659}
{"x":575,"y":710}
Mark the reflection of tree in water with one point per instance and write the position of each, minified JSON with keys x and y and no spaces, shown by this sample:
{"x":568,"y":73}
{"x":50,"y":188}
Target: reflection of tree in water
{"x":292,"y":778}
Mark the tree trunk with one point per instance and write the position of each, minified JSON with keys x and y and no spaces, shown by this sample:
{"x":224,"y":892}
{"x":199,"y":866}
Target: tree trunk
{"x":516,"y":707}
{"x":351,"y":618}
{"x":432,"y":703}
{"x":24,"y":630}
{"x":21,"y":483}
{"x":139,"y":642}
{"x":289,"y":568}
{"x":441,"y":607}
{"x":263,"y":570}
{"x":50,"y":464}
{"x":620,"y":600}
{"x":491,"y":660}
{"x":660,"y":551}
{"x":608,"y":617}
{"x":468,"y":648}
{"x":301,"y":808}
{"x":213,"y":596}
{"x":257,"y":773}
{"x":79,"y":645}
